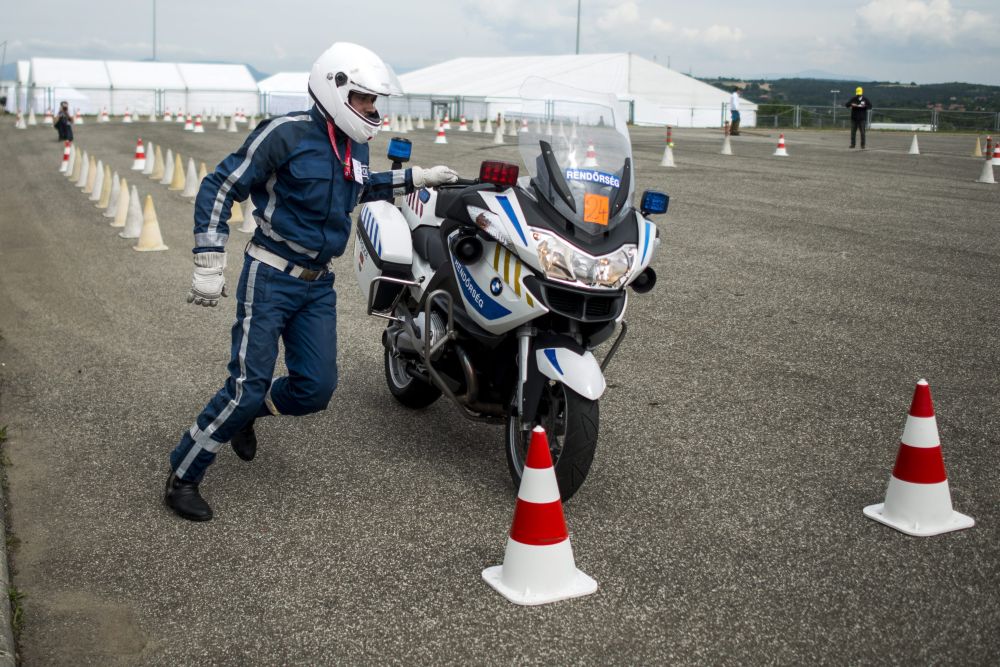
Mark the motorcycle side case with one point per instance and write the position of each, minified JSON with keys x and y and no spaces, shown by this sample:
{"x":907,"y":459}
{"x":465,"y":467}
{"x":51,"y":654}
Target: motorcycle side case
{"x":382,"y":247}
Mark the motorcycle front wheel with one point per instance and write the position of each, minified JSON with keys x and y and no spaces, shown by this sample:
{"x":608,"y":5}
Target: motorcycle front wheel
{"x":410,"y":391}
{"x":571,"y":424}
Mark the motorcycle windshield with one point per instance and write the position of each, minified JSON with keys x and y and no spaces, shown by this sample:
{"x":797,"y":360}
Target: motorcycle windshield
{"x":576,"y":147}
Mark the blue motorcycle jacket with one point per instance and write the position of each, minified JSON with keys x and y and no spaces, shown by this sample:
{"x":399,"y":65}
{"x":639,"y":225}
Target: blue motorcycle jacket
{"x":302,"y":199}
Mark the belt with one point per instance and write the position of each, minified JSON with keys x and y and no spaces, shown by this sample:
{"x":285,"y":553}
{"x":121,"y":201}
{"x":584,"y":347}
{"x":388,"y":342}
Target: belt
{"x":278,"y":262}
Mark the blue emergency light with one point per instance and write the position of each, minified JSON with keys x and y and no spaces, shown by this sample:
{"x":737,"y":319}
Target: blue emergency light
{"x":654,"y":202}
{"x":399,"y":149}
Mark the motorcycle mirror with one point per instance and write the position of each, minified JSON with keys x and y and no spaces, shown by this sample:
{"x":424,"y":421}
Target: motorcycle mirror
{"x":399,"y":150}
{"x":654,"y":202}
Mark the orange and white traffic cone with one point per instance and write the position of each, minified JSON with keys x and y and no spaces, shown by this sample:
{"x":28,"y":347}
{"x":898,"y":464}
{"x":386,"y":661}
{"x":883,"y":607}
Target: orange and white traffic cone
{"x":989,"y":146}
{"x":462,"y":127}
{"x":105,"y":116}
{"x":538,"y":565}
{"x":668,"y":151}
{"x":590,"y":160}
{"x":386,"y":124}
{"x":139,"y":163}
{"x":780,"y":151}
{"x":19,"y":124}
{"x":198,"y":128}
{"x":128,"y":116}
{"x":524,"y":125}
{"x":996,"y":155}
{"x":167,"y":116}
{"x":48,"y":117}
{"x":78,"y":118}
{"x":447,"y":122}
{"x":441,"y":138}
{"x":918,"y":501}
{"x":67,"y":149}
{"x":188,"y":124}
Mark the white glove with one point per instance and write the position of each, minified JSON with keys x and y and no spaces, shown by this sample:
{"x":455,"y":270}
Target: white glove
{"x":208,"y":283}
{"x":433,"y":177}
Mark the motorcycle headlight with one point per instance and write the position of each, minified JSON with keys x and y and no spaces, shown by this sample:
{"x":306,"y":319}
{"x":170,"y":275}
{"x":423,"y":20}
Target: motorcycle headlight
{"x":489,"y":222}
{"x":562,"y":261}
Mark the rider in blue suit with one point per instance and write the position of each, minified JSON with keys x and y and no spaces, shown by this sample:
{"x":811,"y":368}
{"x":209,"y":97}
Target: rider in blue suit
{"x":304,"y":172}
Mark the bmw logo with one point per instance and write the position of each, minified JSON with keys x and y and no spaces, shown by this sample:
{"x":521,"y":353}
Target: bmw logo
{"x":496,"y":286}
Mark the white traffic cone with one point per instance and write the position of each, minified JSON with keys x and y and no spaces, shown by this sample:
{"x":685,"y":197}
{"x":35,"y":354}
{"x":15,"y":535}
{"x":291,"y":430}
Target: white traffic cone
{"x":139,"y":163}
{"x":188,"y":124}
{"x":150,"y":239}
{"x":420,"y":123}
{"x":918,"y":501}
{"x":190,"y":181}
{"x":91,"y":176}
{"x":67,"y":151}
{"x":105,"y":197}
{"x":441,"y":138}
{"x":914,"y":147}
{"x":668,"y":157}
{"x":168,"y":168}
{"x":177,"y":178}
{"x":498,"y":137}
{"x":727,"y":147}
{"x":488,"y":127}
{"x":148,"y":160}
{"x":252,"y":125}
{"x":512,"y":128}
{"x":780,"y":151}
{"x":232,"y":125}
{"x":74,"y":164}
{"x":116,"y":193}
{"x":133,"y":217}
{"x":81,"y":181}
{"x":538,"y":564}
{"x":122,"y":205}
{"x":590,"y":159}
{"x":19,"y":123}
{"x":98,"y":185}
{"x":986,"y":176}
{"x":221,"y":124}
{"x":198,"y":128}
{"x":152,"y":117}
{"x":31,"y":117}
{"x":476,"y":125}
{"x":158,"y":167}
{"x":128,"y":116}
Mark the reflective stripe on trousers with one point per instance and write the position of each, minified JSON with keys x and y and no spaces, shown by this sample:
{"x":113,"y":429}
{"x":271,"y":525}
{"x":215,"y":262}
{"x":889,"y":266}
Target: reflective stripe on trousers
{"x":269,"y":304}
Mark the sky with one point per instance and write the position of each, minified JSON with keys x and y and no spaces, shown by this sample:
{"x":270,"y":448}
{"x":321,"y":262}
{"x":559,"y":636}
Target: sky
{"x":925,"y":41}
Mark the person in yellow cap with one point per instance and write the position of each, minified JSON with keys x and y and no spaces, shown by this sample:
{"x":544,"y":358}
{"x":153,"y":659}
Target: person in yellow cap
{"x":859,"y":106}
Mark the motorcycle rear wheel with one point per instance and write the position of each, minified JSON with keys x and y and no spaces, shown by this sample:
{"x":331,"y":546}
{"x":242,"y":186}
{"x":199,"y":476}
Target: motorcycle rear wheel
{"x":571,"y":424}
{"x":412,"y":392}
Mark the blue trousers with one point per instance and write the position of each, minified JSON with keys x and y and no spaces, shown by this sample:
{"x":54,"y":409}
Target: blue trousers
{"x":270,"y":304}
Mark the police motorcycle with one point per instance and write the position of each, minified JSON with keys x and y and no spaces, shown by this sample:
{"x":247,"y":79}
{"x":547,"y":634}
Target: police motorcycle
{"x":498,"y":290}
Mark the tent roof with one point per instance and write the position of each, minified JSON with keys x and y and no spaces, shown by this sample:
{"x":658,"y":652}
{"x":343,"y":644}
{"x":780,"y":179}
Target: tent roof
{"x":133,"y":74}
{"x":47,"y":72}
{"x":623,"y":74}
{"x":285,"y":82}
{"x":199,"y":76}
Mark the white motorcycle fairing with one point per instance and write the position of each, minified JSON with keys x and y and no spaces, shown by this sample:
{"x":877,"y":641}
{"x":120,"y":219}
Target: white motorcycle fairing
{"x":579,"y":372}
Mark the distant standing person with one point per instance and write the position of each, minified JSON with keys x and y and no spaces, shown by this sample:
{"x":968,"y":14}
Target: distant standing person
{"x":734,"y":112}
{"x":859,"y":106}
{"x":64,"y":122}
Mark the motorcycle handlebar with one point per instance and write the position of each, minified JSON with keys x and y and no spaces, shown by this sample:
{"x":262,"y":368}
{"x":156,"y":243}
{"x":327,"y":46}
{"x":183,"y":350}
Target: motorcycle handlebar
{"x":467,"y":181}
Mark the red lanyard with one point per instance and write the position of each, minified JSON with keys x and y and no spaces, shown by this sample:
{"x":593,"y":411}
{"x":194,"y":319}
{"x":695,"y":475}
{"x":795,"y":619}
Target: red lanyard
{"x":346,"y":161}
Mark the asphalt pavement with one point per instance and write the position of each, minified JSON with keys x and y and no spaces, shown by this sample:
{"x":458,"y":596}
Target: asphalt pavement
{"x":754,"y":409}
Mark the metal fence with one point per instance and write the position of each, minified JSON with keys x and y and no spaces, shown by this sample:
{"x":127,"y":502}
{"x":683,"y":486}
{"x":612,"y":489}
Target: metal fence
{"x":819,"y":117}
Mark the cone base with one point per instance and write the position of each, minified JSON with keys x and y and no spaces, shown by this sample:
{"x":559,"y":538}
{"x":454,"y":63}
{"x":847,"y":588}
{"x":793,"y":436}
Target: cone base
{"x":150,"y":249}
{"x":781,"y":152}
{"x":580,"y":585}
{"x":957,"y":521}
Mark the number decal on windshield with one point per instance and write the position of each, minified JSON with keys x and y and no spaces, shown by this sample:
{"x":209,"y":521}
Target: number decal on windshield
{"x":595,"y":209}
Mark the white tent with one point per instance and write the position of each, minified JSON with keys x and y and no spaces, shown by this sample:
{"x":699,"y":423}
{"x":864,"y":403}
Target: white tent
{"x":218,"y":88}
{"x":142,"y":87}
{"x":138,"y":86}
{"x":649,"y":93}
{"x":284,"y":92}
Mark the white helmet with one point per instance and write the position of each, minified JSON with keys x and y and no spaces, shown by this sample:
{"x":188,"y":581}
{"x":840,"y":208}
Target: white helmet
{"x":345,"y":68}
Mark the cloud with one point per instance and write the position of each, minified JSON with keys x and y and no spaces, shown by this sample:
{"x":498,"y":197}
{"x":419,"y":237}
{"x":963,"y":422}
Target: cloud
{"x":714,"y":34}
{"x":618,"y":17}
{"x":924,"y":21}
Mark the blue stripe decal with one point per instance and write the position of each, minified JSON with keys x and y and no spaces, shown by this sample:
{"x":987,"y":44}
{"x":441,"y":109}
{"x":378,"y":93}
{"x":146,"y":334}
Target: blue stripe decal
{"x":372,"y":230}
{"x":509,"y":210}
{"x":476,"y":296}
{"x":550,"y":354}
{"x":645,"y":242}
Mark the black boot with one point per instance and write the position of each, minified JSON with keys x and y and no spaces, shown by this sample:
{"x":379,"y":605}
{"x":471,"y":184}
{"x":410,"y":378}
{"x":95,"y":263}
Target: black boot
{"x":244,"y":442}
{"x":183,"y":498}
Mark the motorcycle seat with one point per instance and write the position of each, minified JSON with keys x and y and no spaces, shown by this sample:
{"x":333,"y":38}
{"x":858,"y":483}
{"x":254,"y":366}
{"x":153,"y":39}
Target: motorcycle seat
{"x":429,"y":244}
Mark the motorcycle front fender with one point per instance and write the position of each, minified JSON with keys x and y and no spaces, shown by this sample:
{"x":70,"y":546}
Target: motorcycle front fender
{"x":579,"y":372}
